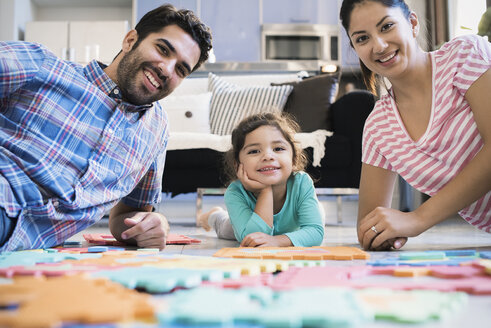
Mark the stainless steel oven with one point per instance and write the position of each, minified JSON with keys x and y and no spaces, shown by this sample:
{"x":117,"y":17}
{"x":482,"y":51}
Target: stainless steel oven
{"x":300,"y":42}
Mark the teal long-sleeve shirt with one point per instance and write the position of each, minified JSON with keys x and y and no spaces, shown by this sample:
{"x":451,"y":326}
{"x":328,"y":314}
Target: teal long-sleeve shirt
{"x":300,"y":218}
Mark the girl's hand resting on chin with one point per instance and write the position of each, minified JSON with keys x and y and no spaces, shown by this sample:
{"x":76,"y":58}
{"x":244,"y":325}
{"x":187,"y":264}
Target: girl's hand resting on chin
{"x":249,"y":184}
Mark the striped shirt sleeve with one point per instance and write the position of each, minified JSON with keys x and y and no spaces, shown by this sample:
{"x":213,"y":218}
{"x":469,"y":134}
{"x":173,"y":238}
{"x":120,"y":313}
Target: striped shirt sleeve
{"x":474,"y":55}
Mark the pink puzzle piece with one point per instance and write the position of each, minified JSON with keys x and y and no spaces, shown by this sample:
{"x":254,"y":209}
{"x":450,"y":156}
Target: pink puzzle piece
{"x":108,"y":240}
{"x":49,"y":270}
{"x":469,"y":279}
{"x":264,"y":279}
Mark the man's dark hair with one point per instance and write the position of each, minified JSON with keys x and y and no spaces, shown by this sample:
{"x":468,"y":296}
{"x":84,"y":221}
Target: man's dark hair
{"x":158,"y":18}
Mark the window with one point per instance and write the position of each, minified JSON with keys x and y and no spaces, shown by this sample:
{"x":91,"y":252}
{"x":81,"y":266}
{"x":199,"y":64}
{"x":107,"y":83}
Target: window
{"x":464,"y":16}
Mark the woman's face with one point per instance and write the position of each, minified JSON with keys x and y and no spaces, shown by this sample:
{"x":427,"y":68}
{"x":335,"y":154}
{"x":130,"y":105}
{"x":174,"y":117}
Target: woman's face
{"x":383,"y":38}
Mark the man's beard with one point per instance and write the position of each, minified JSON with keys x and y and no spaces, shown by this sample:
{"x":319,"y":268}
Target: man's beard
{"x":133,"y":93}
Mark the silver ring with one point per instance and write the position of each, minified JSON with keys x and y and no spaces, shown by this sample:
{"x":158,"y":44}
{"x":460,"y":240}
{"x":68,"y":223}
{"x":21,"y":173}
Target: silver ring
{"x":374,"y":229}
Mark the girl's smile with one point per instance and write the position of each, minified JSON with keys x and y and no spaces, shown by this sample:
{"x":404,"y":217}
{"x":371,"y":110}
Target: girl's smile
{"x":267,"y":156}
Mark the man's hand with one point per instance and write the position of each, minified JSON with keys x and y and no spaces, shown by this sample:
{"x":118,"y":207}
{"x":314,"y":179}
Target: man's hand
{"x":147,"y":229}
{"x":138,"y":226}
{"x":260,"y":239}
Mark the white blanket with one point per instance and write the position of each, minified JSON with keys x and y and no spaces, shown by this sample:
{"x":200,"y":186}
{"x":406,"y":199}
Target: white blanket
{"x":190,"y":140}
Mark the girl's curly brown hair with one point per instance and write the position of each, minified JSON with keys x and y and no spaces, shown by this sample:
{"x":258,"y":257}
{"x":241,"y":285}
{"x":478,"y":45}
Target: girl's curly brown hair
{"x":283,"y":122}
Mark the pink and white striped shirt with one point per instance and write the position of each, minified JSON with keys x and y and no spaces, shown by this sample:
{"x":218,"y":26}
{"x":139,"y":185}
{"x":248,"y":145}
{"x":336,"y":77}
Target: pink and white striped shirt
{"x":451,"y":139}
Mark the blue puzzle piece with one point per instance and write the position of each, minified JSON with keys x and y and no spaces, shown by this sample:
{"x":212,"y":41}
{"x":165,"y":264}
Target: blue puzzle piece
{"x":429,"y":255}
{"x":461,"y":252}
{"x":28,"y":258}
{"x":159,"y":280}
{"x":428,"y":258}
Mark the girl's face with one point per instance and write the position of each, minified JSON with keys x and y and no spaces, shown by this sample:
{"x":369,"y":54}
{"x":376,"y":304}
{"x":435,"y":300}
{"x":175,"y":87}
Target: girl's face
{"x":267,"y":156}
{"x":383,"y":38}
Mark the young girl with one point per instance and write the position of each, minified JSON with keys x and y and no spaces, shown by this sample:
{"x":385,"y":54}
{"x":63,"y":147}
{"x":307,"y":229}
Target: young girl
{"x":271,"y":202}
{"x":433,"y":127}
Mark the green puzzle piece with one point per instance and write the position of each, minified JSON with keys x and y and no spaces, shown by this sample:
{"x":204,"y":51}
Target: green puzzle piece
{"x":33,"y":257}
{"x":413,"y":306}
{"x":320,"y":307}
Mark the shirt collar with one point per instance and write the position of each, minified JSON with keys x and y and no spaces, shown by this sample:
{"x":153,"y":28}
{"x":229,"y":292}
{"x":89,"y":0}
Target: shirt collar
{"x":94,"y":72}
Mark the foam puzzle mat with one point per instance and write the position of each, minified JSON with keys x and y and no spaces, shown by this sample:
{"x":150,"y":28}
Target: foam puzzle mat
{"x":295,"y":253}
{"x":278,"y":287}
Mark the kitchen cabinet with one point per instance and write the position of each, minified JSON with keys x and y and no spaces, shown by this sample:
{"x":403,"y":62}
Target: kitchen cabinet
{"x":300,"y":12}
{"x":144,"y":6}
{"x":79,"y":41}
{"x":235,"y":25}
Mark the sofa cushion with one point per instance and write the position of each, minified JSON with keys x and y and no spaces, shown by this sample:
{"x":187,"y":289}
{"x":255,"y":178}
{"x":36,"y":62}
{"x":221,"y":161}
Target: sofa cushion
{"x":231,"y":103}
{"x":188,"y":113}
{"x":310,"y":100}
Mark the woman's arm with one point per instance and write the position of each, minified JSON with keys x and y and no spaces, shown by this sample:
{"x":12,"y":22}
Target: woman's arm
{"x":375,"y":195}
{"x":465,"y":188}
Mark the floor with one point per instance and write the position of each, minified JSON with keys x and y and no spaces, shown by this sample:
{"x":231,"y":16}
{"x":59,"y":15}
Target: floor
{"x":452,"y":234}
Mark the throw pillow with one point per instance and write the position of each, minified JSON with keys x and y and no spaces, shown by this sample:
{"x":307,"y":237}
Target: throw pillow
{"x":310,"y":100}
{"x":231,"y":103}
{"x":188,"y":113}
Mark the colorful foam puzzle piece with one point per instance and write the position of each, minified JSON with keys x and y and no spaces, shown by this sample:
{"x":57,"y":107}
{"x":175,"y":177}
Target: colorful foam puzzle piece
{"x":264,"y":307}
{"x":485,"y":264}
{"x":158,"y":280}
{"x":295,"y":253}
{"x":33,"y":257}
{"x":430,"y":258}
{"x":414,"y":306}
{"x":109,"y":240}
{"x":46,"y":302}
{"x":470,"y":280}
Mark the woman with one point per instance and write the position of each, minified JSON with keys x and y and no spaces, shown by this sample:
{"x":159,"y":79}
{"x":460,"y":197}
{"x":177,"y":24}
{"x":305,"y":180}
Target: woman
{"x":433,"y":127}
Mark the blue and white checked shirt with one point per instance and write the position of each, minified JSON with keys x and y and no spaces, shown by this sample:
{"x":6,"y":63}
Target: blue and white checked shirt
{"x":70,"y":148}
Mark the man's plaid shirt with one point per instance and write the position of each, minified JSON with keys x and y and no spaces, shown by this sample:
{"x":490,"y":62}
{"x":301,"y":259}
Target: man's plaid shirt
{"x":70,"y":148}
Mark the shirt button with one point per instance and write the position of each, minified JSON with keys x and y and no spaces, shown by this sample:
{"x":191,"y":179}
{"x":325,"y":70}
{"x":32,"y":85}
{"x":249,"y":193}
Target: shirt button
{"x":56,"y":203}
{"x":110,"y":131}
{"x":116,"y":91}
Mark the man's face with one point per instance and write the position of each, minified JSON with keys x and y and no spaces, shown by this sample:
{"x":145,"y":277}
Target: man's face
{"x":157,"y":65}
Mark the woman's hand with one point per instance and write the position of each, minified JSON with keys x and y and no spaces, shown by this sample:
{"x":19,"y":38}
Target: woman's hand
{"x":249,"y":184}
{"x":260,"y":239}
{"x":384,"y":228}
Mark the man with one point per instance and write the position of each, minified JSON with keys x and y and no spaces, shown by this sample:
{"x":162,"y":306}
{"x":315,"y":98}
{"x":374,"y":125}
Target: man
{"x":76,"y":141}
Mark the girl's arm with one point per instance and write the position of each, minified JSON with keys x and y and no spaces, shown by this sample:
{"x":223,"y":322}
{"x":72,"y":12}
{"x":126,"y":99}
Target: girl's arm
{"x":240,"y":206}
{"x":469,"y":185}
{"x":308,"y":227}
{"x":264,"y":204}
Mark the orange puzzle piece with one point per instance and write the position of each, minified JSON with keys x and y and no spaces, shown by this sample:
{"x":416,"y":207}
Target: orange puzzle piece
{"x":295,"y":253}
{"x":48,"y":302}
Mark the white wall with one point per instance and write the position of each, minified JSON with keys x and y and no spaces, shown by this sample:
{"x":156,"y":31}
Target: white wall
{"x":15,"y":13}
{"x":76,"y":13}
{"x":419,"y":7}
{"x":13,"y":16}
